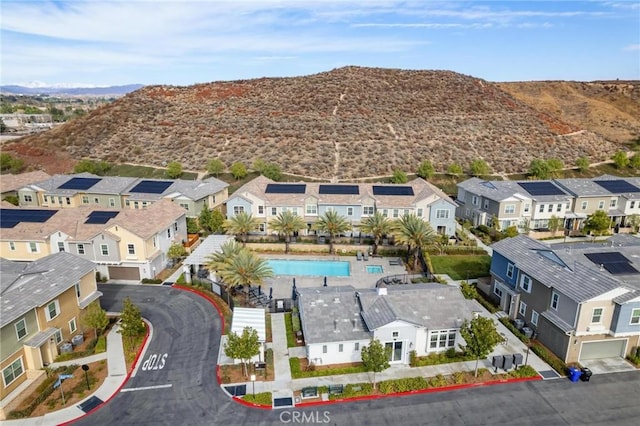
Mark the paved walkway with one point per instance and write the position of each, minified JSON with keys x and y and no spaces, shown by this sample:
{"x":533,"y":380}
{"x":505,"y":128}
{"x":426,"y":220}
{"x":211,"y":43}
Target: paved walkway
{"x":117,"y":375}
{"x":481,"y":245}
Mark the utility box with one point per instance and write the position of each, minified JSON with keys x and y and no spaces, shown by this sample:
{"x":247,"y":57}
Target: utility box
{"x":528,"y":332}
{"x":508,"y":363}
{"x":519,"y":323}
{"x":517,"y":360}
{"x":497,"y":362}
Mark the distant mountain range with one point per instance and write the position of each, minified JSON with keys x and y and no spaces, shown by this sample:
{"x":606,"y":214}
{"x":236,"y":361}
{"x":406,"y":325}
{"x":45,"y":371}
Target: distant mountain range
{"x":38,"y":89}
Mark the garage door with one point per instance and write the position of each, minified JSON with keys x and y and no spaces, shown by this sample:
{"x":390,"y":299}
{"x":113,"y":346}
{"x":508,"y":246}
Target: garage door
{"x":124,"y":273}
{"x":604,"y":349}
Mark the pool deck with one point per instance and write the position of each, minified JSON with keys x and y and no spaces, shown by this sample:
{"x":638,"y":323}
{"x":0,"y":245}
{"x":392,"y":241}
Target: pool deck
{"x":359,"y":277}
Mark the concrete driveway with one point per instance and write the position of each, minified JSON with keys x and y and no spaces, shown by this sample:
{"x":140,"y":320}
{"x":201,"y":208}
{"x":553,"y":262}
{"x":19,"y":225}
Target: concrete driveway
{"x":608,"y":365}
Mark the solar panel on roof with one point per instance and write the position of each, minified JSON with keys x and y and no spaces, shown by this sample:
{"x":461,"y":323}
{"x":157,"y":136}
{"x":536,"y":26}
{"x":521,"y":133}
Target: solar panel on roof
{"x":617,"y":186}
{"x":620,"y":268}
{"x":392,"y":190}
{"x":151,"y":186}
{"x":11,"y":217}
{"x":340,"y":189}
{"x":541,"y":188}
{"x":100,"y":217}
{"x":79,"y":183}
{"x":286,"y":188}
{"x":607,"y":257}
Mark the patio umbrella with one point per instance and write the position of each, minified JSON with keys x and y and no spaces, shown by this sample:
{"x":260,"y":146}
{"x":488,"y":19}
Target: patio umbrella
{"x":270,"y":293}
{"x":325,"y":281}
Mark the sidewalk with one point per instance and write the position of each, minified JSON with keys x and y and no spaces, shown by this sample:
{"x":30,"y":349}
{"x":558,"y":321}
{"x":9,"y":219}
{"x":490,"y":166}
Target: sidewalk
{"x":117,"y":375}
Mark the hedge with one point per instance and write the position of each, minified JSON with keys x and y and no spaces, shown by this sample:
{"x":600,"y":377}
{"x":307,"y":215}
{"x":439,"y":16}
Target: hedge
{"x":297,"y":373}
{"x":264,"y":398}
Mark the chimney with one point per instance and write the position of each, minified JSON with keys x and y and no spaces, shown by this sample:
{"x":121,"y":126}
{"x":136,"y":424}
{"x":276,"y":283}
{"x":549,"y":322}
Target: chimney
{"x":382,"y":291}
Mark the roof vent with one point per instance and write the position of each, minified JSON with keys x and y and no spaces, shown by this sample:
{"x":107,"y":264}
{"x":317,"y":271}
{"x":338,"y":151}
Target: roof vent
{"x":335,"y":325}
{"x":601,"y":267}
{"x":336,"y":300}
{"x":382,"y":291}
{"x":355,"y":323}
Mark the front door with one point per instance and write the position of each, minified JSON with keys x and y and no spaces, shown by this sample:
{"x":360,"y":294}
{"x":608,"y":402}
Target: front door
{"x":396,"y":351}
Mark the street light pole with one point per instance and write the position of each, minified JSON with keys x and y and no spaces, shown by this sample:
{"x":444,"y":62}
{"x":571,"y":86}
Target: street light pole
{"x":85,"y":367}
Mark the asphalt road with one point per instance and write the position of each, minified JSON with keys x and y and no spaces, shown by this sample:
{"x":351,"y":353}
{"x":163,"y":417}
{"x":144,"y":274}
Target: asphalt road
{"x":185,"y":390}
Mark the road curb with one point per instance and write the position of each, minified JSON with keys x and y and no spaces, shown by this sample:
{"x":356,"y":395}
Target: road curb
{"x":251,"y":404}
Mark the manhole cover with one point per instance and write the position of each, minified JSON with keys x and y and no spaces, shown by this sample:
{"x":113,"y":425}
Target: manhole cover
{"x":90,"y":404}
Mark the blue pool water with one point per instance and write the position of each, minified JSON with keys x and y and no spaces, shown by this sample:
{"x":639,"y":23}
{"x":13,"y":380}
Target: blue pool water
{"x":327,"y":268}
{"x":374,"y":269}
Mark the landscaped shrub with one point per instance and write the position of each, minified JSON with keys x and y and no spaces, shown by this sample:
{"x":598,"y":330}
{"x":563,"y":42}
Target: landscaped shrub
{"x":295,"y":320}
{"x":441,"y":358}
{"x":486,"y":303}
{"x":151,"y":281}
{"x":468,"y":290}
{"x":634,"y":356}
{"x":402,"y":385}
{"x":288,"y":324}
{"x":523,"y":371}
{"x":264,"y":398}
{"x":101,"y":345}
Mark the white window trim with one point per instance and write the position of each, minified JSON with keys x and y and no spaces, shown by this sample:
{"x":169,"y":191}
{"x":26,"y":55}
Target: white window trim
{"x":12,"y":246}
{"x":47,"y":313}
{"x":356,"y":347}
{"x":557,"y":300}
{"x":522,"y":309}
{"x":497,"y":291}
{"x":534,"y":318}
{"x":72,"y":321}
{"x":78,"y":249}
{"x":15,"y":377}
{"x":131,"y":247}
{"x":524,"y":278}
{"x":442,"y":214}
{"x":102,"y":251}
{"x":26,"y":330}
{"x":509,"y":209}
{"x":37,"y":247}
{"x":634,"y":316}
{"x":510,"y":269}
{"x":593,"y":313}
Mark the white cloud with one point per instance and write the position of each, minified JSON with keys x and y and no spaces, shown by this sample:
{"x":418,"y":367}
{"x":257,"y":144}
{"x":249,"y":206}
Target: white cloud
{"x":632,"y":47}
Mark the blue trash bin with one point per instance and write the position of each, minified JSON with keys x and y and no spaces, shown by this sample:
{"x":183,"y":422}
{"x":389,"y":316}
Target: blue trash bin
{"x":574,"y":374}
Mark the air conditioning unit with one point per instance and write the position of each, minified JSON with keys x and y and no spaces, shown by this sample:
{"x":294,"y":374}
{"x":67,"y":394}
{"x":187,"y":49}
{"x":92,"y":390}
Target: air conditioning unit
{"x":519,"y":323}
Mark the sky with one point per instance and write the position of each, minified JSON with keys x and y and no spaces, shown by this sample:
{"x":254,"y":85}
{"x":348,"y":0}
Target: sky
{"x":184,"y":42}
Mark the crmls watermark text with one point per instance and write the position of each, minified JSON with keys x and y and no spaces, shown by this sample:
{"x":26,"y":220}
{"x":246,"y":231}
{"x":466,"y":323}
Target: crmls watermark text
{"x":305,"y":417}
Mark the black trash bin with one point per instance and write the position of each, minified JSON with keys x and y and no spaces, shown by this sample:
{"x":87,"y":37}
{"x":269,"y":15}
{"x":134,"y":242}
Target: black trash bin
{"x":586,"y":374}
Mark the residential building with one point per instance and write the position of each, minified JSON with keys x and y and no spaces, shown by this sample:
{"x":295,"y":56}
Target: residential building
{"x":85,"y":189}
{"x":337,"y":322}
{"x":10,"y":184}
{"x":265,"y":199}
{"x":42,"y":302}
{"x":125,"y":244}
{"x":582,"y":302}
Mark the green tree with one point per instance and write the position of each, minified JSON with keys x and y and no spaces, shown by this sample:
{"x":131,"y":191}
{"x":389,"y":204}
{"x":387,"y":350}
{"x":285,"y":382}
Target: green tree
{"x":90,"y":166}
{"x":415,"y":233}
{"x":243,"y":347}
{"x":634,"y":161}
{"x":634,"y":222}
{"x":598,"y":223}
{"x":481,"y":338}
{"x":3,"y":127}
{"x":583,"y":163}
{"x":215,"y":166}
{"x":174,"y":170}
{"x":192,"y":225}
{"x":480,"y":168}
{"x":287,"y":223}
{"x":555,"y":166}
{"x":272,"y":171}
{"x":333,"y":224}
{"x":245,"y":268}
{"x":176,"y":252}
{"x":219,"y":261}
{"x":468,"y":290}
{"x":539,"y":169}
{"x":94,"y":317}
{"x":258,"y":165}
{"x":238,"y":170}
{"x":131,"y":324}
{"x":204,"y":219}
{"x":620,"y":159}
{"x":377,"y":225}
{"x":426,"y":170}
{"x":399,"y":177}
{"x":12,"y":199}
{"x":217,"y":222}
{"x":10,"y":163}
{"x":375,"y":358}
{"x":554,"y":224}
{"x":511,"y":231}
{"x":240,"y":225}
{"x":455,"y":169}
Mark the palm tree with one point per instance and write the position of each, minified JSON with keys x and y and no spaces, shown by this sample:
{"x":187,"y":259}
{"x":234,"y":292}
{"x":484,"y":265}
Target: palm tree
{"x":287,"y":223}
{"x":219,"y":261}
{"x":333,"y":224}
{"x":240,"y":225}
{"x":415,"y":233}
{"x":246,"y":268}
{"x":378,"y":226}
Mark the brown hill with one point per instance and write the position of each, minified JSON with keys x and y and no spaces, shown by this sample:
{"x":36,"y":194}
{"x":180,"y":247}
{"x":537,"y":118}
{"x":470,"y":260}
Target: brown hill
{"x":347,"y":123}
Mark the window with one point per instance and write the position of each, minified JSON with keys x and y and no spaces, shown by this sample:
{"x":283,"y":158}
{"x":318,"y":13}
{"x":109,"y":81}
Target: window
{"x":442,"y":214}
{"x":324,"y":349}
{"x":550,"y":208}
{"x":274,"y":211}
{"x":28,"y":198}
{"x":385,"y":212}
{"x":419,"y":213}
{"x":367,"y":210}
{"x":68,"y":200}
{"x":237,"y":210}
{"x":395,"y":212}
{"x":510,"y":269}
{"x":534,"y":318}
{"x":262,"y":227}
{"x":568,"y":205}
{"x":169,"y":233}
{"x":523,"y":309}
{"x":155,"y":242}
{"x":144,"y":204}
{"x":45,"y":199}
{"x":58,"y":336}
{"x":175,"y":226}
{"x":349,"y":211}
{"x":72,"y":325}
{"x":112,"y":202}
{"x":635,"y":316}
{"x":12,"y":246}
{"x":126,"y":202}
{"x":136,"y":205}
{"x":632,"y":204}
{"x":104,"y":249}
{"x":559,"y":208}
{"x":394,"y":334}
{"x":613,"y":203}
{"x":555,"y":298}
{"x":486,"y":204}
{"x":80,"y":248}
{"x":33,"y":247}
{"x":510,"y":209}
{"x":596,"y":317}
{"x":541,"y":209}
{"x":600,"y":205}
{"x":356,"y":347}
{"x":525,"y":283}
{"x":584,"y":205}
{"x":442,"y":339}
{"x":526,"y":208}
{"x":12,"y":372}
{"x":340,"y":347}
{"x":60,"y":200}
{"x":185,"y":206}
{"x":497,"y":291}
{"x":131,"y":249}
{"x":52,"y":310}
{"x":474,"y":200}
{"x":77,"y":287}
{"x":21,"y":329}
{"x":406,"y":212}
{"x":312,"y":209}
{"x":60,"y":246}
{"x":260,"y":210}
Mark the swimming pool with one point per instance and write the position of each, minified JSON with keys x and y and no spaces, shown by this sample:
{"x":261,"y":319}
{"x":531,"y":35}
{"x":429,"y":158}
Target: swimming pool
{"x":374,"y":269}
{"x":327,"y":268}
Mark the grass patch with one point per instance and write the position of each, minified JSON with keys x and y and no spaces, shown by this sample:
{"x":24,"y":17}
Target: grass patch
{"x":297,"y":373}
{"x":291,"y":337}
{"x":144,"y":172}
{"x":264,"y":398}
{"x":460,"y":267}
